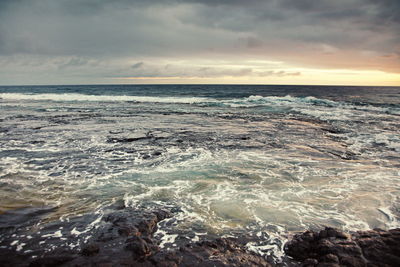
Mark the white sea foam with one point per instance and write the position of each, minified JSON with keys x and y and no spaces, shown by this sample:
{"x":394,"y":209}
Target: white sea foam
{"x":166,"y":238}
{"x":257,"y":100}
{"x":55,"y":234}
{"x":253,"y":100}
{"x":102,"y":98}
{"x":77,"y":233}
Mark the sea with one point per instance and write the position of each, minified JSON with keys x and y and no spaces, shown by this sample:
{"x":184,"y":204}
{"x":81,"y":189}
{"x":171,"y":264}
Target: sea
{"x":262,"y":160}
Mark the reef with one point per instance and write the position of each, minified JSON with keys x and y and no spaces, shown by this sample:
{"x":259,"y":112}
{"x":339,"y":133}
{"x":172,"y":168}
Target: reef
{"x":123,"y":236}
{"x":331,"y":247}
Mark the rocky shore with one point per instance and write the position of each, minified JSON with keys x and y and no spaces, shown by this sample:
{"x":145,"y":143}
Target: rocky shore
{"x":331,"y":247}
{"x":125,"y":237}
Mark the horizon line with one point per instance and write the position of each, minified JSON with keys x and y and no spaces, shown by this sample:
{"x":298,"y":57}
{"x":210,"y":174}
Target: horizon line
{"x":234,"y":84}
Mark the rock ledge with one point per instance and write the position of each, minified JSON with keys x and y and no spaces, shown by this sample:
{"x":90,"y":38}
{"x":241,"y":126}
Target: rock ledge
{"x":331,"y":247}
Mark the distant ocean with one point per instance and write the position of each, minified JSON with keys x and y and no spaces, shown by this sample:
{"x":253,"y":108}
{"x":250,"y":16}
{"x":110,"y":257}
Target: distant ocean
{"x":266,"y":160}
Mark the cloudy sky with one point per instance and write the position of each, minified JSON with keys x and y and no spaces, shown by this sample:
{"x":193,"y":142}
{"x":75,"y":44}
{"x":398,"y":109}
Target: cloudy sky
{"x":200,"y":41}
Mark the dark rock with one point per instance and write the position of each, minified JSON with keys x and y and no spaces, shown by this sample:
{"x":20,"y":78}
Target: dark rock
{"x":328,"y":264}
{"x":308,"y":236}
{"x":331,"y":247}
{"x":90,"y":250}
{"x":157,"y":153}
{"x":118,"y":205}
{"x":51,"y":260}
{"x":330,"y":258}
{"x":123,"y":237}
{"x":310,"y":262}
{"x":126,"y":139}
{"x":347,"y":260}
{"x":127,"y":230}
{"x":138,"y":246}
{"x":162,"y":214}
{"x":333,"y":130}
{"x":23,"y":217}
{"x":119,"y":228}
{"x":218,"y":252}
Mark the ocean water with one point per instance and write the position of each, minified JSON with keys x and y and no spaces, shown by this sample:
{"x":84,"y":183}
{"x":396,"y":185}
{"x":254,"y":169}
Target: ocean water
{"x":232,"y":159}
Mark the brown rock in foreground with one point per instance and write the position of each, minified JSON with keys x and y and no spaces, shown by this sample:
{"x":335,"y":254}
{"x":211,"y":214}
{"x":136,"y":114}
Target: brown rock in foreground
{"x":219,"y":252}
{"x":331,"y":247}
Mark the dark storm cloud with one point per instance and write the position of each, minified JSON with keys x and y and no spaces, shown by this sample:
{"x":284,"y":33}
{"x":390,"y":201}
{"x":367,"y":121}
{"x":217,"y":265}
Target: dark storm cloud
{"x":359,"y":34}
{"x":39,"y":26}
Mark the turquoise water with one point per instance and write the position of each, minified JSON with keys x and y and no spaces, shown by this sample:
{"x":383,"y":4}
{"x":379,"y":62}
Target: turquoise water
{"x":232,"y":159}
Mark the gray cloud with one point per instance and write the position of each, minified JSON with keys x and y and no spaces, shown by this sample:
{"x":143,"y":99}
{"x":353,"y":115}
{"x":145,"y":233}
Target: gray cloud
{"x":355,"y":34}
{"x":137,"y":65}
{"x":73,"y":62}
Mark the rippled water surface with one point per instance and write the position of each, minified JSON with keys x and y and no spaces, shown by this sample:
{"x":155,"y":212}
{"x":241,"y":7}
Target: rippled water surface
{"x":232,"y":159}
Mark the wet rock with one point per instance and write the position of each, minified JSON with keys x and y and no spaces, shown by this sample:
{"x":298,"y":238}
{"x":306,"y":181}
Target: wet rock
{"x":163,"y":214}
{"x":51,"y":260}
{"x":310,"y":262}
{"x":122,"y":237}
{"x":331,"y":247}
{"x":157,"y":153}
{"x":138,"y":246}
{"x":333,"y":130}
{"x":138,"y":136}
{"x":330,"y":258}
{"x":90,"y":250}
{"x":22,"y":217}
{"x":125,"y":139}
{"x":218,"y":252}
{"x":346,"y":155}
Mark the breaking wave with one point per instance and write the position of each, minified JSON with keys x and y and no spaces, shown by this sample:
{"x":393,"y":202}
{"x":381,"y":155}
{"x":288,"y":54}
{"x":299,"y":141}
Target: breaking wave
{"x":101,"y":98}
{"x":288,"y":102}
{"x":253,"y":100}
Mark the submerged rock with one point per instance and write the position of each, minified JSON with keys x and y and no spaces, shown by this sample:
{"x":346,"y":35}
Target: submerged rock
{"x":331,"y":247}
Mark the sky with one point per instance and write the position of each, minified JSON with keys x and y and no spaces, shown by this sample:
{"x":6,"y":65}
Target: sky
{"x":341,"y":42}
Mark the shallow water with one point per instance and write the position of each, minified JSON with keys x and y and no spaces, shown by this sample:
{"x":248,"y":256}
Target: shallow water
{"x":233,"y":159}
